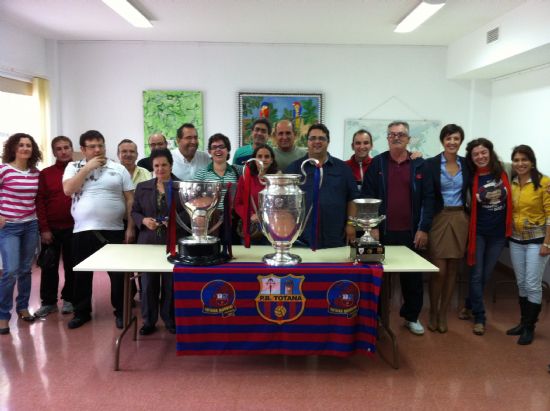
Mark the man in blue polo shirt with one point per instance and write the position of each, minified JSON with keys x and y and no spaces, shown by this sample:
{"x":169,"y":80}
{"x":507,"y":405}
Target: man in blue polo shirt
{"x":335,"y":197}
{"x":398,"y":180}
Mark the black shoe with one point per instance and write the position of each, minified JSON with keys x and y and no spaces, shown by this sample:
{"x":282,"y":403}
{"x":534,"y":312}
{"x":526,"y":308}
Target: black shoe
{"x":517,"y":330}
{"x":119,"y":323}
{"x":77,"y":322}
{"x":4,"y":331}
{"x":147,"y":329}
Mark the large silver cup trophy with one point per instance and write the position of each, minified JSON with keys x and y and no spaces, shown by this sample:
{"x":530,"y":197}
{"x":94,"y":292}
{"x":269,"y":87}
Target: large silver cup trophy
{"x":367,"y":249}
{"x":199,"y":199}
{"x":283,"y":214}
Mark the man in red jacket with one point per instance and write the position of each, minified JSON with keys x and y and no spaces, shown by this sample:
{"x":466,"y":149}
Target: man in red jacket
{"x":53,"y":208}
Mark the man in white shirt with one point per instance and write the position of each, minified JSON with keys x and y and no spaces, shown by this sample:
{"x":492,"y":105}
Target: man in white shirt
{"x":102,"y":194}
{"x":187,"y":160}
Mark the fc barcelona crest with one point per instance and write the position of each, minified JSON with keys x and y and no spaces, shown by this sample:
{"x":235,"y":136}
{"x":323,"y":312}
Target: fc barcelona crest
{"x":280,"y":299}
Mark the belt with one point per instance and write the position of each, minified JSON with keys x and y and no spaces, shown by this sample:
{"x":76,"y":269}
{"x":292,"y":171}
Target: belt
{"x":454,"y":208}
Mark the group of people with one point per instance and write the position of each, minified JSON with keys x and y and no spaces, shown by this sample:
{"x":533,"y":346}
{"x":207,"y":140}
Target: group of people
{"x":458,"y":207}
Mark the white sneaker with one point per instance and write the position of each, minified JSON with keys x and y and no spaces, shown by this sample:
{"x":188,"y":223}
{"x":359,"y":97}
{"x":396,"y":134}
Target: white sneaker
{"x":415,"y":327}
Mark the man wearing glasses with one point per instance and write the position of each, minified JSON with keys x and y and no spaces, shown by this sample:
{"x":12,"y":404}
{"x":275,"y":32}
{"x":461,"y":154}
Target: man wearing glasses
{"x":157,"y":141}
{"x":261,"y":129}
{"x":336,"y":195}
{"x":187,"y":160}
{"x":398,"y":180}
{"x":102,"y":195}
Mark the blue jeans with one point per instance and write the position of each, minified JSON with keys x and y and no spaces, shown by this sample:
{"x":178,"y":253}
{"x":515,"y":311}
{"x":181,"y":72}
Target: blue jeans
{"x":18,"y":243}
{"x":488,"y":250}
{"x":529,"y":268}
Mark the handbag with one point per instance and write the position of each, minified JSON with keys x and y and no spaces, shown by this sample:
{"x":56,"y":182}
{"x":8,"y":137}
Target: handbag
{"x":47,"y":258}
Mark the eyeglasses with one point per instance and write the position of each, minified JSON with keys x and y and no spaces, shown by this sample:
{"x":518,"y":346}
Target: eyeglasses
{"x":218,"y":147}
{"x":397,"y":135}
{"x":322,"y":139}
{"x":94,"y":146}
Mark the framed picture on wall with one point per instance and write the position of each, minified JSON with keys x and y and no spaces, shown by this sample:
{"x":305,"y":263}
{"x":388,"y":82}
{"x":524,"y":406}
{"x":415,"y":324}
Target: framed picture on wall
{"x":164,"y":111}
{"x":303,"y":109}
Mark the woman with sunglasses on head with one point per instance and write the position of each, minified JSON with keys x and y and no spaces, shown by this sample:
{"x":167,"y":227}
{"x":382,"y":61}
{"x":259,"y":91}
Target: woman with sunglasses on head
{"x":449,"y":176}
{"x":490,"y":224}
{"x":266,"y":155}
{"x":18,"y":224}
{"x":150,"y":212}
{"x":530,"y":240}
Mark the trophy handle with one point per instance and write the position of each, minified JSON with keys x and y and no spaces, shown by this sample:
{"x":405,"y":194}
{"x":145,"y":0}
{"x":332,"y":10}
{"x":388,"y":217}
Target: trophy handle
{"x":182,"y":223}
{"x":258,"y":163}
{"x":315,"y":162}
{"x":215,"y":226}
{"x":231,"y":193}
{"x":304,"y":222}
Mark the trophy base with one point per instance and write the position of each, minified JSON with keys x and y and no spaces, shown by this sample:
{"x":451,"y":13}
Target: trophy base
{"x":367,"y":252}
{"x":281,"y":260}
{"x":198,"y":254}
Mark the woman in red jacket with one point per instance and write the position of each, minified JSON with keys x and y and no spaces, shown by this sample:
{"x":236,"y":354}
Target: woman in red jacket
{"x":265,"y":154}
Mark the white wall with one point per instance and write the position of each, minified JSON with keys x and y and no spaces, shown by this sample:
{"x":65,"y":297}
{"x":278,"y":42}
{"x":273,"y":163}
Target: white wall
{"x":22,"y":54}
{"x":524,"y":42}
{"x":101,"y":83}
{"x":520,"y":112}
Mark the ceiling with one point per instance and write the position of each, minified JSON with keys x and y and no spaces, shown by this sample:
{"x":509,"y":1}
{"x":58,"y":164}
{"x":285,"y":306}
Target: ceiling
{"x":350,"y":22}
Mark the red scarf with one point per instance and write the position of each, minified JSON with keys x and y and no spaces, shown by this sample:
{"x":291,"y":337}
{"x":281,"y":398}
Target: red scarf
{"x":471,"y":257}
{"x":247,"y":180}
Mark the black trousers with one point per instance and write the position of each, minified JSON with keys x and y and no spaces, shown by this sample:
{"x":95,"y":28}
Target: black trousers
{"x":85,"y":243}
{"x":157,"y":290}
{"x":412,"y":286}
{"x":49,"y":276}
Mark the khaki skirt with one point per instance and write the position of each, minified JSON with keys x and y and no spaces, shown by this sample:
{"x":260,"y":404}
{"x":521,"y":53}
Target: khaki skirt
{"x":449,"y":234}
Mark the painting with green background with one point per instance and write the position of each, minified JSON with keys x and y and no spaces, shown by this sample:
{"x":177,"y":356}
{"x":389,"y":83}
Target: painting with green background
{"x":164,"y":111}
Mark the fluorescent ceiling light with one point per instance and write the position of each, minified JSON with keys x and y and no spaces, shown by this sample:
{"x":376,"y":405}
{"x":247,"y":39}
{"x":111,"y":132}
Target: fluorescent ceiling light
{"x":129,"y":13}
{"x":419,"y":15}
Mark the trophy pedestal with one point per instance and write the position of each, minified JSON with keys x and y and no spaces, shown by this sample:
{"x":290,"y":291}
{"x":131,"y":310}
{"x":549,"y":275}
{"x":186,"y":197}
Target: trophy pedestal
{"x":282,"y":257}
{"x":281,"y":260}
{"x":367,"y":252}
{"x":191,"y":252}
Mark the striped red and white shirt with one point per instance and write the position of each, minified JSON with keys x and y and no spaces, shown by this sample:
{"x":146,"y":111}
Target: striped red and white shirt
{"x":17,"y":193}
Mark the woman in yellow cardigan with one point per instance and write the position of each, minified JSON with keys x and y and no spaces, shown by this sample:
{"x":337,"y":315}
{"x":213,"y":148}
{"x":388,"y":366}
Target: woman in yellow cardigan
{"x":530,"y":240}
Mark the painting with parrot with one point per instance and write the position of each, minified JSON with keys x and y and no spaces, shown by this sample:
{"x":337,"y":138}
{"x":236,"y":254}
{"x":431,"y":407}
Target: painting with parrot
{"x":303,"y":110}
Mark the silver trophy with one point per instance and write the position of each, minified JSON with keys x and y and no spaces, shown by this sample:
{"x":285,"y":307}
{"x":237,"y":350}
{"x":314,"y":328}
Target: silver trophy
{"x":199,"y":199}
{"x":283,"y":214}
{"x":367,"y":249}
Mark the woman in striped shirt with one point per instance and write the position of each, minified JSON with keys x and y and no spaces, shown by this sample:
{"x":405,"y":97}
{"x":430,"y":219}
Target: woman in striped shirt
{"x":219,"y":169}
{"x":18,"y":224}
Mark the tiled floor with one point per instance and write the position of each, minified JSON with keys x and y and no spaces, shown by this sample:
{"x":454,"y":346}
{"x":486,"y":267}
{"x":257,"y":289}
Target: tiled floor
{"x":45,"y":366}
